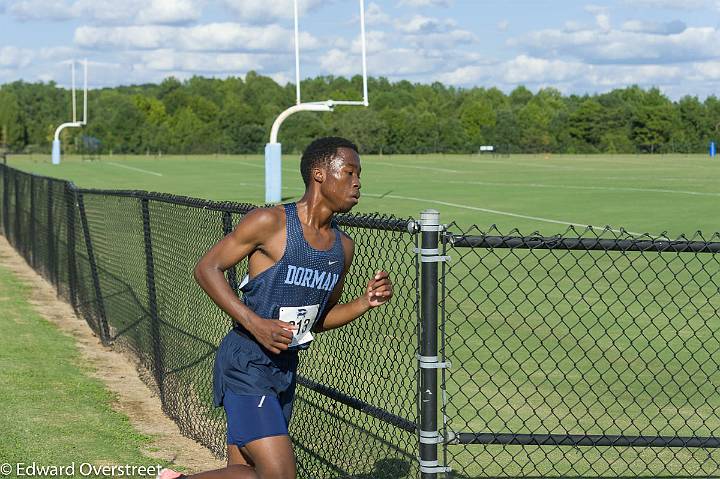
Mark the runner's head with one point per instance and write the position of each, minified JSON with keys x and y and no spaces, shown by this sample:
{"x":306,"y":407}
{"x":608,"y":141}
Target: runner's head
{"x":330,"y":166}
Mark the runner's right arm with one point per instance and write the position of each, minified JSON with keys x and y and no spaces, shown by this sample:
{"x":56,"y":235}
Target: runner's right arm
{"x":249,"y":236}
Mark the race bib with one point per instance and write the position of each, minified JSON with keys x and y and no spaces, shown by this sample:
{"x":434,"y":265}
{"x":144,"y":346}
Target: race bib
{"x":304,"y":318}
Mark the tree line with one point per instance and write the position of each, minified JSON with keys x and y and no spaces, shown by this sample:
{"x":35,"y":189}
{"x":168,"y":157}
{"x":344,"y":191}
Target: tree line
{"x":234,"y":115}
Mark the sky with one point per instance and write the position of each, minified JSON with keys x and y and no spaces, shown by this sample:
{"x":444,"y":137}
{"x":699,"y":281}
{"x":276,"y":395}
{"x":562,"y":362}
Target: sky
{"x":574,"y":46}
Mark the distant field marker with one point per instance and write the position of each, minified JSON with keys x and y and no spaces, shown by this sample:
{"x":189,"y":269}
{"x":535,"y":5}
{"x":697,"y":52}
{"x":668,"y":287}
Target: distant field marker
{"x":133,"y":168}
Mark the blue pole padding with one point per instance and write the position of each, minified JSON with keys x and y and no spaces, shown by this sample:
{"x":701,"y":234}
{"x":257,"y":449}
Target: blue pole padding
{"x":713,"y":151}
{"x":273,"y":172}
{"x":56,"y":152}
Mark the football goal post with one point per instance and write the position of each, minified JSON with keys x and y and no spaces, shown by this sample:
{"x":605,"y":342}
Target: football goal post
{"x":273,"y":149}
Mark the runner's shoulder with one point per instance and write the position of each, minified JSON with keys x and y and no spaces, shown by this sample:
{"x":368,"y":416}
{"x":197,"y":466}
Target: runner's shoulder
{"x":264,"y":221}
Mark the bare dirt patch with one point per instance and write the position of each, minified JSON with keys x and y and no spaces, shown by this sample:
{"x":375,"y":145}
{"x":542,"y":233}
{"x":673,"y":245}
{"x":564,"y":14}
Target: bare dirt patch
{"x":117,"y":370}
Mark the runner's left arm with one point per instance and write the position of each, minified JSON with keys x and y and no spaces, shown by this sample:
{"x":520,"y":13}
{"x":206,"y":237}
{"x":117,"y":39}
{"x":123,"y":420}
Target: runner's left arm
{"x":379,"y":290}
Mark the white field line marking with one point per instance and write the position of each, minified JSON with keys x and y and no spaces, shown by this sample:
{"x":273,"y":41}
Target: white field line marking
{"x":517,"y":163}
{"x":658,"y":178}
{"x":253,"y":165}
{"x":603,"y":188}
{"x":133,"y":168}
{"x":261,"y":166}
{"x":497,"y":212}
{"x":445,"y":170}
{"x":561,"y":167}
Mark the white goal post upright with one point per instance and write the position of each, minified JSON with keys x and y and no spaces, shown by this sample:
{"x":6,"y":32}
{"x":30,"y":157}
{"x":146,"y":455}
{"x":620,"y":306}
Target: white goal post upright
{"x":74,"y":123}
{"x":273,"y":150}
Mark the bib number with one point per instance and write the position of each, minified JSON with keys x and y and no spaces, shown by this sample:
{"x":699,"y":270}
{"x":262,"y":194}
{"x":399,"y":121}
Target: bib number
{"x":304,"y":318}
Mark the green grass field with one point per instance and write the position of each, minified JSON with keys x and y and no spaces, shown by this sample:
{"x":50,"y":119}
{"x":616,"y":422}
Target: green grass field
{"x":53,"y":412}
{"x":548,"y":342}
{"x":644,"y":194}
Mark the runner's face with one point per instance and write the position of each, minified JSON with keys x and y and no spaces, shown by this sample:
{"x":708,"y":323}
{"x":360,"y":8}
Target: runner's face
{"x":342,"y":180}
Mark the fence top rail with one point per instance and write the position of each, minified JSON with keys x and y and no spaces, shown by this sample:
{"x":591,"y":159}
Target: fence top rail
{"x":372,"y":221}
{"x":69,"y":184}
{"x":583,"y":244}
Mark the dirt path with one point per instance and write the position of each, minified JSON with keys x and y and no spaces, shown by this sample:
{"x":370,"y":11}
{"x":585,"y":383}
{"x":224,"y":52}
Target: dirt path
{"x":116,"y":370}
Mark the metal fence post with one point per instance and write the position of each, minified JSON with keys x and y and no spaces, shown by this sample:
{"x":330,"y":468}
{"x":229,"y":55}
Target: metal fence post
{"x":158,"y":366}
{"x":16,"y":227}
{"x":428,"y":356}
{"x":33,"y":246}
{"x":6,"y":198}
{"x":70,"y":193}
{"x":51,"y":260}
{"x":104,"y":330}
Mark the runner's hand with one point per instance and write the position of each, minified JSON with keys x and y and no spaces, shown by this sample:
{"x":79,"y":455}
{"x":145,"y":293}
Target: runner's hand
{"x":273,"y":334}
{"x":379,"y":289}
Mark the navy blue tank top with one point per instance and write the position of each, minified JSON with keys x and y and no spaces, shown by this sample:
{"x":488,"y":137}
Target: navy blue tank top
{"x":304,"y":276}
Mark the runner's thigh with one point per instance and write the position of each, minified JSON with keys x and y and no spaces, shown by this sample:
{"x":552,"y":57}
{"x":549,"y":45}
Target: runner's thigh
{"x":273,"y":457}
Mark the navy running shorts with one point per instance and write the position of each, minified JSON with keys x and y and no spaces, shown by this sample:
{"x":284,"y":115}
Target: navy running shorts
{"x":243,"y":366}
{"x":251,"y":417}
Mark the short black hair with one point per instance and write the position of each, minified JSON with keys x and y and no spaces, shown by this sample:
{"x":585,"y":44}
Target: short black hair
{"x":321,"y":151}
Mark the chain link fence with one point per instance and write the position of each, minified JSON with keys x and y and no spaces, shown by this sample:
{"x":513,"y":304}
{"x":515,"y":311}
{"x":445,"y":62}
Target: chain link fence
{"x":593,"y":353}
{"x":124,"y":260}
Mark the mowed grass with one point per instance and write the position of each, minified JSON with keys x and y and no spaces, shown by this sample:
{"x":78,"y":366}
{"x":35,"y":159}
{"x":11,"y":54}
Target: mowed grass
{"x":651,"y":194}
{"x":52,"y":412}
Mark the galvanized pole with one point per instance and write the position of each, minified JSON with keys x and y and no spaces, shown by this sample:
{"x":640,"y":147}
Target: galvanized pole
{"x":70,"y":209}
{"x":99,"y":301}
{"x":158,"y":356}
{"x":5,"y":201}
{"x":428,"y":356}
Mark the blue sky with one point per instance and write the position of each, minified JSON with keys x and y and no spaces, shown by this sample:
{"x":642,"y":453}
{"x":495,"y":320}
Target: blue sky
{"x":575,"y":46}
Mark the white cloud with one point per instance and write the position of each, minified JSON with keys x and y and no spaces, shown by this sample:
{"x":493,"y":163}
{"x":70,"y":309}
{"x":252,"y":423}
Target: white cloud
{"x":212,"y":37}
{"x":576,"y":76}
{"x":424,"y":25}
{"x":525,"y":69}
{"x":425,"y":3}
{"x":169,"y":12}
{"x":602,"y":17}
{"x":14,"y":57}
{"x":108,"y":11}
{"x":374,"y":15}
{"x":669,"y":4}
{"x":265,"y":11}
{"x":503,"y":25}
{"x":616,"y":46}
{"x":447,"y":40}
{"x":53,"y":53}
{"x":375,"y":41}
{"x":708,"y":70}
{"x":468,"y":75}
{"x":664,"y":28}
{"x":647,"y":75}
{"x":574,"y":26}
{"x":169,"y":60}
{"x":27,"y":10}
{"x":135,"y":37}
{"x":392,"y":62}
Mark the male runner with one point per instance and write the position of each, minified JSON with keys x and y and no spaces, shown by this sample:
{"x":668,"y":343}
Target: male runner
{"x":297,"y":261}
